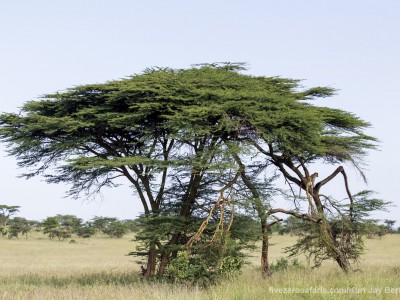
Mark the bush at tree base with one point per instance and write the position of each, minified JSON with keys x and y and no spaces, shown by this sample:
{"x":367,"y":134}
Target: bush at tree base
{"x":206,"y":264}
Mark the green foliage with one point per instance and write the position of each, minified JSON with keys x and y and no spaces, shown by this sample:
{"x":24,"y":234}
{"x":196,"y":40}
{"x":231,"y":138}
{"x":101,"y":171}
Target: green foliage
{"x":230,"y":266}
{"x":294,"y":226}
{"x":19,"y":226}
{"x":206,"y":264}
{"x":187,"y":270}
{"x":115,"y":229}
{"x":245,"y":229}
{"x":283,"y":264}
{"x":49,"y":223}
{"x":110,"y":226}
{"x":131,"y":225}
{"x":372,"y":228}
{"x":345,"y":227}
{"x":160,"y":229}
{"x":389,"y":224}
{"x":86,"y":230}
{"x":100,"y":223}
{"x":6,"y":212}
{"x":364,"y":204}
{"x":55,"y":228}
{"x":92,"y":131}
{"x":69,"y":221}
{"x":346,"y":235}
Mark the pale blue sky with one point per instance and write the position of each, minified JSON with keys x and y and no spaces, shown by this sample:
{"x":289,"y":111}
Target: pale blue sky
{"x":353,"y":46}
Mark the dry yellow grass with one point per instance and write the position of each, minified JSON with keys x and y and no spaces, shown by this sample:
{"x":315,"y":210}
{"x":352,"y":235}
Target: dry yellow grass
{"x":40,"y":255}
{"x":98,"y":269}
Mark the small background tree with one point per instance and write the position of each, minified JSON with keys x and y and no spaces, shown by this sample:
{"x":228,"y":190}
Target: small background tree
{"x":6,"y":212}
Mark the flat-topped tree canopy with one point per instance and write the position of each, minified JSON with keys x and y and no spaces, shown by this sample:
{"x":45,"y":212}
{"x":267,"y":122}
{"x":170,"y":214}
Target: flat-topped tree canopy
{"x":116,"y":122}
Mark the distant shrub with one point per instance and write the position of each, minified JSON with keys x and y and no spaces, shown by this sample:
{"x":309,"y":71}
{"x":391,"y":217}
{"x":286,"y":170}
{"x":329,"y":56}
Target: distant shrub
{"x":284,"y":264}
{"x":86,"y":231}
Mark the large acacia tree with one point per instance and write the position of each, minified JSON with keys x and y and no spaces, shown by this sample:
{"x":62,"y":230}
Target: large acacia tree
{"x":181,"y":137}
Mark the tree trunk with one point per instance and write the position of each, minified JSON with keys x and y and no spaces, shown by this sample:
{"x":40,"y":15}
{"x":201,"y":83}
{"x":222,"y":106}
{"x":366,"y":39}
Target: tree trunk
{"x":328,"y":239}
{"x":167,"y":254}
{"x":151,"y":261}
{"x":187,"y":205}
{"x":343,"y":263}
{"x":264,"y":251}
{"x":163,"y":263}
{"x":337,"y":254}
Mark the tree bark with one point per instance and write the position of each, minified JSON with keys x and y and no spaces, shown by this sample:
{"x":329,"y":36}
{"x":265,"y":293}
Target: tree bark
{"x":151,"y":261}
{"x":328,"y":239}
{"x":264,"y":250}
{"x":166,"y":255}
{"x":163,"y":263}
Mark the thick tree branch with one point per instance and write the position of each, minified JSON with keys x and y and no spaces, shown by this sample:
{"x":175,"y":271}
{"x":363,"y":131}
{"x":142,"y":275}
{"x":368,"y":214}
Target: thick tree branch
{"x":294,"y":213}
{"x":327,"y":179}
{"x":138,"y":188}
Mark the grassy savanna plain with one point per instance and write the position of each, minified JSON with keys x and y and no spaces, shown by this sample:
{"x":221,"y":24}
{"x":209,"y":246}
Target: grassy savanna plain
{"x":98,"y":268}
